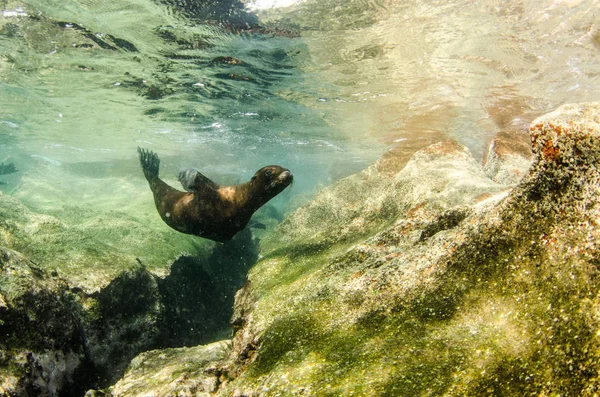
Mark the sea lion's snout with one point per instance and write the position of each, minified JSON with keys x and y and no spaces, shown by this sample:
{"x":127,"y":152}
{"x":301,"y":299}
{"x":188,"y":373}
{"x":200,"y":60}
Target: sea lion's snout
{"x":272,"y":178}
{"x":286,"y":177}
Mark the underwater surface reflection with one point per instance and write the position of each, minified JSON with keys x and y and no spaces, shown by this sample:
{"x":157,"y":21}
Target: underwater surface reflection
{"x":321,"y":87}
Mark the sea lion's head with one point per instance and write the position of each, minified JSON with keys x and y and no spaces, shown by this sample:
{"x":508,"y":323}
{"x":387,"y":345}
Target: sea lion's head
{"x":271,"y":180}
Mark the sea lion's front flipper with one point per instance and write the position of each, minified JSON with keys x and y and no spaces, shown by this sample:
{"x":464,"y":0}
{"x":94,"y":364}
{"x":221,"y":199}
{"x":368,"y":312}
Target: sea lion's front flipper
{"x":193,"y":181}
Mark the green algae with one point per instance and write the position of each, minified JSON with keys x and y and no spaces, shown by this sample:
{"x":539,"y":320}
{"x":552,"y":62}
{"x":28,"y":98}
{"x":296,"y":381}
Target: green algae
{"x":187,"y":371}
{"x":90,"y":247}
{"x":494,"y":300}
{"x":96,"y":292}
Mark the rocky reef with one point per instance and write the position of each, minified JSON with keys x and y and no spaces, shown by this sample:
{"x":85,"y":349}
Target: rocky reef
{"x":419,"y":276}
{"x":428,"y":277}
{"x":84,"y":292}
{"x":194,"y":371}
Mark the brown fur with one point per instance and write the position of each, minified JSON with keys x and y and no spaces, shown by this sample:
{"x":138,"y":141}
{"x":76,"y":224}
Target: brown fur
{"x":210,"y":210}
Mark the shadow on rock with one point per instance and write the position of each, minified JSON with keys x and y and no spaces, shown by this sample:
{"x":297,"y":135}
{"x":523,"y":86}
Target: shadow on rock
{"x":58,"y":340}
{"x":198,"y":294}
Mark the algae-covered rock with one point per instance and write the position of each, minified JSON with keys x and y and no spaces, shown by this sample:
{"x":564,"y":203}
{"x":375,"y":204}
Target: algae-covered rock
{"x":41,"y":344}
{"x":77,"y":303}
{"x":90,"y":248}
{"x":508,"y":157}
{"x":194,"y":371}
{"x":495,"y":296}
{"x":439,"y":177}
{"x":55,"y":340}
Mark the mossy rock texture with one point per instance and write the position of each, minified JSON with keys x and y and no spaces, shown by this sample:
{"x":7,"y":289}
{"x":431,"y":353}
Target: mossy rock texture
{"x":467,"y":291}
{"x":424,"y":277}
{"x":87,"y":247}
{"x":55,"y":340}
{"x":77,"y":303}
{"x":194,"y":371}
{"x":31,"y":300}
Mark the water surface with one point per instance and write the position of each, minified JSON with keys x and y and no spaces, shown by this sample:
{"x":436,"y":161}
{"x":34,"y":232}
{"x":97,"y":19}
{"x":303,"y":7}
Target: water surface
{"x":321,"y":87}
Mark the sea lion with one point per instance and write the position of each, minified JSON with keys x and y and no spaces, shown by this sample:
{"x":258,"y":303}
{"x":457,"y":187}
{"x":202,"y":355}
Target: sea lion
{"x":207,"y":209}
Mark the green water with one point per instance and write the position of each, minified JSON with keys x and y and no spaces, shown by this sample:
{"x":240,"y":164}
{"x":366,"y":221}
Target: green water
{"x":323,"y":87}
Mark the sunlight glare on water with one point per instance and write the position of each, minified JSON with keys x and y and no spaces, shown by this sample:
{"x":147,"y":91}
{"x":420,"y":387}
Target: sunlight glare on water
{"x":271,"y":4}
{"x":461,"y":69}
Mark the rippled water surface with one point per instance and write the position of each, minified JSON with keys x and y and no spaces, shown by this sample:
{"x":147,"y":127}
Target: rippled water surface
{"x":323,"y":87}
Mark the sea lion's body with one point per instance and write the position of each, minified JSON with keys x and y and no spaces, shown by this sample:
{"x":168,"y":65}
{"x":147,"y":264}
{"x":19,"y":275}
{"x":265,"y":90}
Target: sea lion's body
{"x":207,"y":209}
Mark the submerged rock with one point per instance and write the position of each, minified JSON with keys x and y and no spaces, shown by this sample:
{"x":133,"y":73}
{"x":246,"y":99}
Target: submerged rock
{"x":86,"y":246}
{"x":436,"y":178}
{"x":41,"y":343}
{"x":55,"y":340}
{"x":428,"y":278}
{"x":194,"y":371}
{"x":464,"y":297}
{"x":508,"y":157}
{"x":77,"y":304}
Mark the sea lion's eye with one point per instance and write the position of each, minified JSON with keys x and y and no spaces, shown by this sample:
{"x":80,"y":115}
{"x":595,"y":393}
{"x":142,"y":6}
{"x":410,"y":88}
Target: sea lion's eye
{"x":268,"y":173}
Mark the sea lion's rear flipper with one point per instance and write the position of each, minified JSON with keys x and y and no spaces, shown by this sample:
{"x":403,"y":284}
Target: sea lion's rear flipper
{"x":193,"y":181}
{"x":150,"y":163}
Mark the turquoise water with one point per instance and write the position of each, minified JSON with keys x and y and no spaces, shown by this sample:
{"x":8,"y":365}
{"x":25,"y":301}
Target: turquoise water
{"x":320,"y":87}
